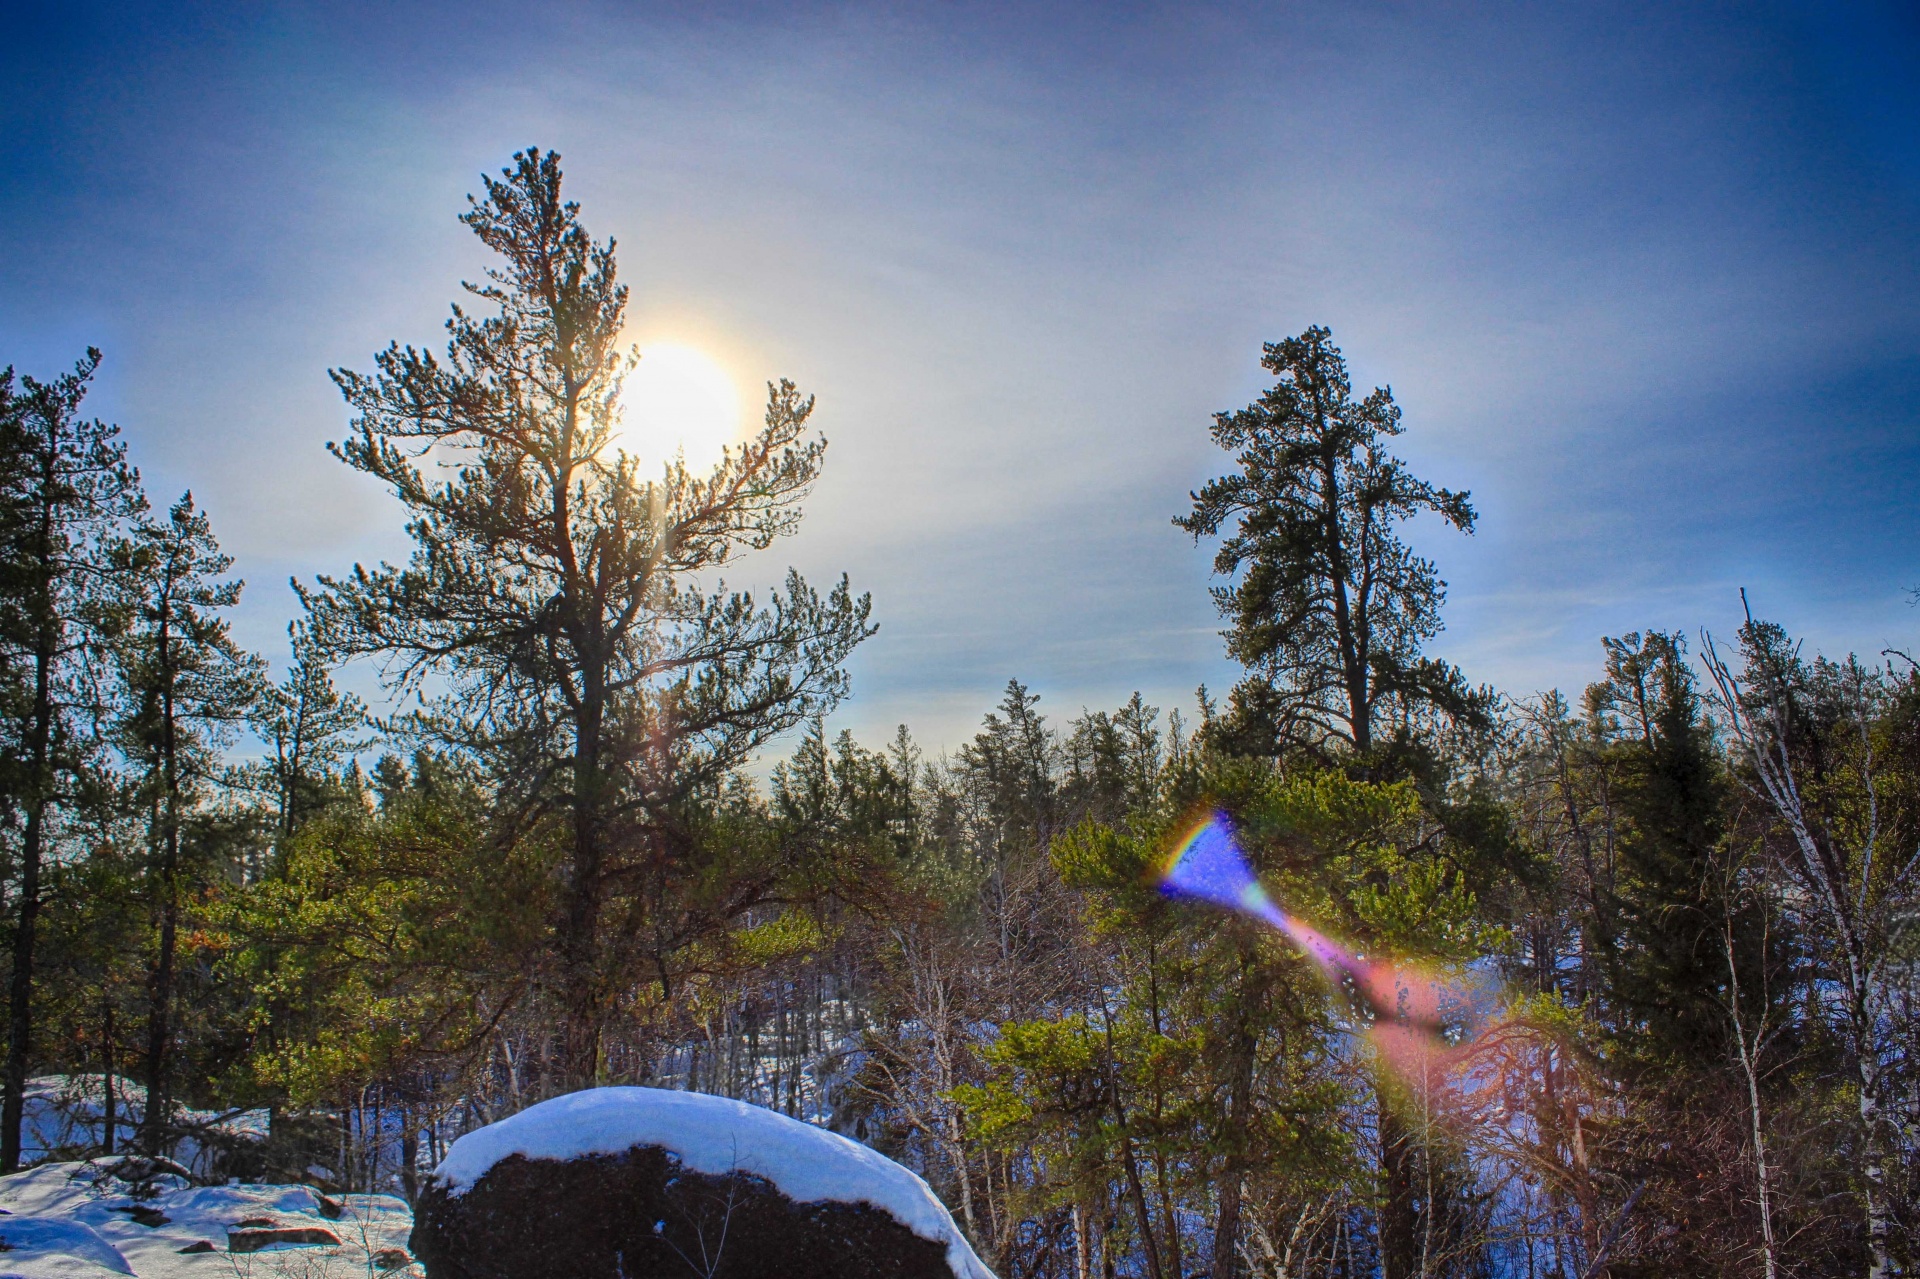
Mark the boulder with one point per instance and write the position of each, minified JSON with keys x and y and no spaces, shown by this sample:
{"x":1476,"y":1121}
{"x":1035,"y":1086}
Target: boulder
{"x":253,"y":1238}
{"x":641,"y":1183}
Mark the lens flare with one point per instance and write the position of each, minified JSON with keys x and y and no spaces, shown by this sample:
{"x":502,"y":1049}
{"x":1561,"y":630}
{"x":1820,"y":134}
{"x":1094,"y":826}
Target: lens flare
{"x":1413,"y":1014}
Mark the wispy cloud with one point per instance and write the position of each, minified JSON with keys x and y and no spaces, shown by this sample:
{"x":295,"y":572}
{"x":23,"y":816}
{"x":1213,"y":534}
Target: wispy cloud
{"x":1644,"y":280}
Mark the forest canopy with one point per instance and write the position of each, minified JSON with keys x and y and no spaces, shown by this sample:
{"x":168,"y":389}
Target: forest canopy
{"x":1619,"y":981}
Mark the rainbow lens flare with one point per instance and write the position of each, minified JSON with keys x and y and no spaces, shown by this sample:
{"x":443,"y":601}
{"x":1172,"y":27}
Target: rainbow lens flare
{"x":1411,"y":1012}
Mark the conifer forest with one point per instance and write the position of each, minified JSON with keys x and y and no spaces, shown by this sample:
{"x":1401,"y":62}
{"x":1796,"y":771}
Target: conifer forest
{"x":1357,"y":967}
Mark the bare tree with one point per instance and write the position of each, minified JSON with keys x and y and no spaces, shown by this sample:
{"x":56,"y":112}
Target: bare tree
{"x":1747,"y":1047}
{"x":1807,"y":737}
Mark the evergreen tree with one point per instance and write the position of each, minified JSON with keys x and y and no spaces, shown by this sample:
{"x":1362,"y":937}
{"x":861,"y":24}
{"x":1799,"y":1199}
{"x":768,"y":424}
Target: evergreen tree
{"x":1113,"y":761}
{"x":64,"y":487}
{"x":187,"y":687}
{"x":1672,"y":962}
{"x":1008,"y":771}
{"x":312,"y":730}
{"x":842,"y":807}
{"x":553,"y":591}
{"x":1329,"y":608}
{"x":384,"y":937}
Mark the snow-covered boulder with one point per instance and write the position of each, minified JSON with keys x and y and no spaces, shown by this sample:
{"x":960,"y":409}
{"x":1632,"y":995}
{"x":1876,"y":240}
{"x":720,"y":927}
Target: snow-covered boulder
{"x":639,"y":1183}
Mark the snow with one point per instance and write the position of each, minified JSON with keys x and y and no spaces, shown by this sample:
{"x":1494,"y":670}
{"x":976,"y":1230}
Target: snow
{"x":73,"y":1221}
{"x":68,"y":1239}
{"x":63,"y":1114}
{"x":714,"y":1136}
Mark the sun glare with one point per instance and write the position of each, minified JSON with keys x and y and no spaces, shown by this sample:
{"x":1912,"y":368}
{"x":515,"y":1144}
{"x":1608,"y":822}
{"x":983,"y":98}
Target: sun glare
{"x":679,"y":400}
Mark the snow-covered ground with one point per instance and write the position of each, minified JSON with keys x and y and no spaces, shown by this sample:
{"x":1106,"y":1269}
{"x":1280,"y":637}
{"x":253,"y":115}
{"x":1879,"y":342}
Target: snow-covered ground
{"x":716,"y":1136}
{"x":65,"y":1116}
{"x":80,"y":1221}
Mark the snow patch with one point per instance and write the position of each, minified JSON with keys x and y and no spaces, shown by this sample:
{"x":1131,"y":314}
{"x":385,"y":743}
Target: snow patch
{"x":33,"y":1237}
{"x":64,"y":1115}
{"x":76,"y":1221}
{"x":714,"y":1136}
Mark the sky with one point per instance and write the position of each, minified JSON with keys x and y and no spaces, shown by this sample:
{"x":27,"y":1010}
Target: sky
{"x":1644,"y":278}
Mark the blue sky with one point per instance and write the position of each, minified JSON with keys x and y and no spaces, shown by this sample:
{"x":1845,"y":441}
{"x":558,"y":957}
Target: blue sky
{"x":1645,"y":278}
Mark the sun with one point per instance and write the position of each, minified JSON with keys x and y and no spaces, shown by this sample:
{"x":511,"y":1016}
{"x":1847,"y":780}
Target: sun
{"x":679,"y":400}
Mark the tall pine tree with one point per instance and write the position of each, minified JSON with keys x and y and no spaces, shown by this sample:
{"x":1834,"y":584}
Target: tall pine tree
{"x":187,"y":688}
{"x":1671,"y":961}
{"x":1328,"y":607}
{"x":1330,"y":610}
{"x":556,"y":596}
{"x":65,"y":486}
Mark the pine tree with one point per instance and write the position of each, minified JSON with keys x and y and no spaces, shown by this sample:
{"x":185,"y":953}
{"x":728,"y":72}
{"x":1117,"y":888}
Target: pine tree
{"x":1113,"y":761}
{"x":64,"y":487}
{"x":1330,"y":611}
{"x":1009,"y":769}
{"x":312,"y":730}
{"x":553,"y":590}
{"x":1671,"y":966}
{"x":187,"y":687}
{"x":1328,"y":607}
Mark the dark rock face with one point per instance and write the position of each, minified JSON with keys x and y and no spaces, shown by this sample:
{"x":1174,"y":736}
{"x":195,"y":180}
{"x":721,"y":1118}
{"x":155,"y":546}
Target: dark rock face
{"x":638,"y":1215}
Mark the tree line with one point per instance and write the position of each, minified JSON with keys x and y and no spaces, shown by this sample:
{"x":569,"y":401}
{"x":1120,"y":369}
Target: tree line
{"x":1678,"y":903}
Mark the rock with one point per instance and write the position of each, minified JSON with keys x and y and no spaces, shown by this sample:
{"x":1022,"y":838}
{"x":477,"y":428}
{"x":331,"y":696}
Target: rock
{"x":203,"y":1245}
{"x":331,"y":1209}
{"x":267,"y":1236}
{"x":640,"y":1216}
{"x":143,"y":1215}
{"x":392,"y":1259}
{"x":636,"y":1183}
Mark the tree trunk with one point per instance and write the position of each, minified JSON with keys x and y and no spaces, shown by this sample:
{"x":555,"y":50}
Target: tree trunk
{"x":1226,"y":1229}
{"x":1750,"y":1069}
{"x":1399,"y":1207}
{"x":409,"y":1154}
{"x":160,"y":982}
{"x":580,"y":928}
{"x":1135,"y":1189}
{"x":39,"y":770}
{"x":107,"y":1116}
{"x":1176,"y":1251}
{"x":1873,"y":1175}
{"x":1353,"y":652}
{"x":160,"y":998}
{"x":963,"y":1175}
{"x":20,"y":1003}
